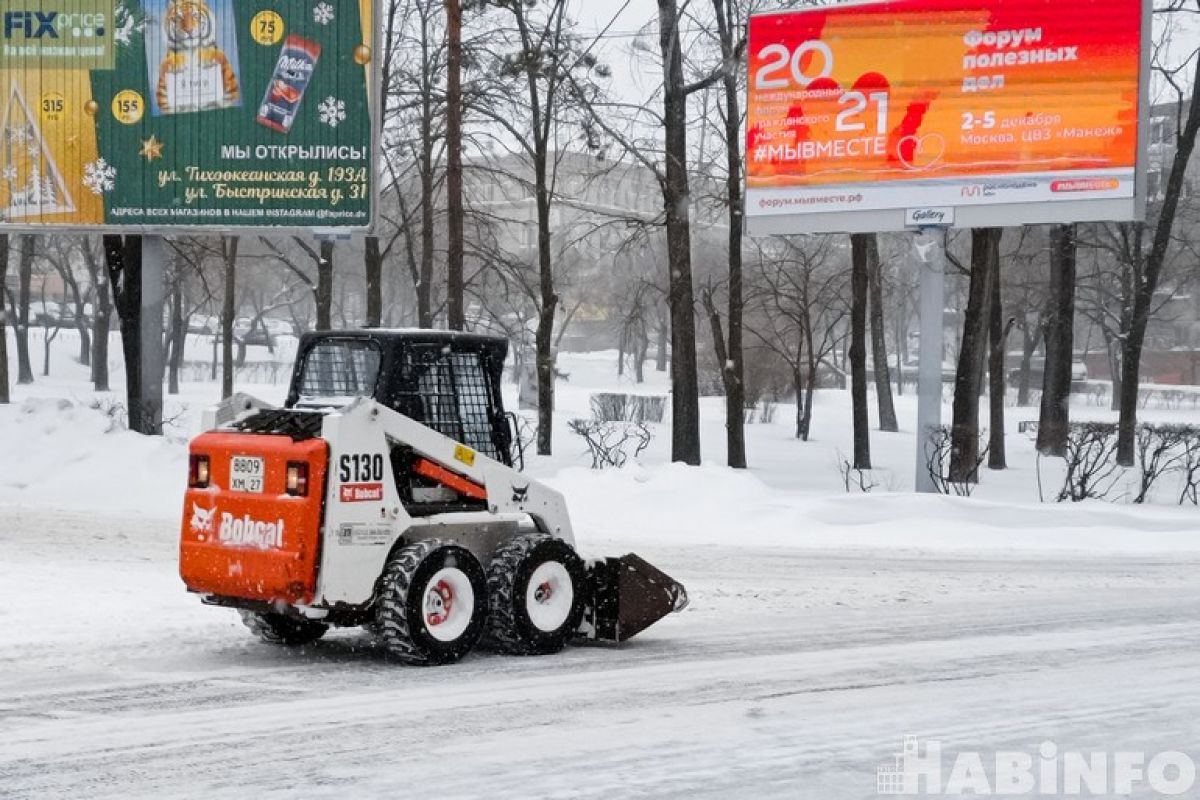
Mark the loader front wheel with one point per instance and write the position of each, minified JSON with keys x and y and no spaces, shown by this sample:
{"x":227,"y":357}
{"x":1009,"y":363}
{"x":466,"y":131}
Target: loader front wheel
{"x":279,"y":629}
{"x":432,"y":603}
{"x":536,"y":595}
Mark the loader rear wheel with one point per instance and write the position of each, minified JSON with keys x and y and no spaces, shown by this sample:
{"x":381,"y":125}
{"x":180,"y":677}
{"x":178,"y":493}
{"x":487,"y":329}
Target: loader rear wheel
{"x":279,"y":629}
{"x":432,"y":603}
{"x":536,"y":595}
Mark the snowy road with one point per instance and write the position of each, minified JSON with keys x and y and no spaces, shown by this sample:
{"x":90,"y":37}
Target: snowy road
{"x":793,"y":674}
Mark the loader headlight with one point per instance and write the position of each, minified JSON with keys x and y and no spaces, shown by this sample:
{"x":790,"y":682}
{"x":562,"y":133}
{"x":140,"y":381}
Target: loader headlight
{"x":297,"y":478}
{"x":198,"y":471}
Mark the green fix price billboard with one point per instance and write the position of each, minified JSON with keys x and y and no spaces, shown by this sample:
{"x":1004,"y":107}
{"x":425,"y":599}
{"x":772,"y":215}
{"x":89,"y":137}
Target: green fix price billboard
{"x":182,"y":114}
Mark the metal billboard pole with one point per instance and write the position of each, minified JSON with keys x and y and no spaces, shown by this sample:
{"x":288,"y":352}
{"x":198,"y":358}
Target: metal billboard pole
{"x":929,"y":249}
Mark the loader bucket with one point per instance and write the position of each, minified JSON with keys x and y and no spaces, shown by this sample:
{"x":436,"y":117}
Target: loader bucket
{"x":627,"y":595}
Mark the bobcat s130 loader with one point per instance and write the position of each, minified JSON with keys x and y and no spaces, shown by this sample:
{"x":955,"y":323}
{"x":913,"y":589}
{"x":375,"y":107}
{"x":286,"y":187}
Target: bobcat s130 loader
{"x":383,"y":494}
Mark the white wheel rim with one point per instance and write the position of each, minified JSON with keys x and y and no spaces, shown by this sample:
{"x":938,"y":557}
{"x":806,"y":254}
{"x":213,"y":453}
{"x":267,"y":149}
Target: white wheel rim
{"x":549,"y":596}
{"x":447,"y":604}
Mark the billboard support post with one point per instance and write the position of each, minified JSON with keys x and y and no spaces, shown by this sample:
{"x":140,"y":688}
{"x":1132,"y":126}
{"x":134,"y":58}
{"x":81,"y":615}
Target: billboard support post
{"x":929,"y":249}
{"x":154,"y":257}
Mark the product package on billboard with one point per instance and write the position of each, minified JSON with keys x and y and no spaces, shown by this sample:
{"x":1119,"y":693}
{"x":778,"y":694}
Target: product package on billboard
{"x":192,"y":56}
{"x":285,"y":92}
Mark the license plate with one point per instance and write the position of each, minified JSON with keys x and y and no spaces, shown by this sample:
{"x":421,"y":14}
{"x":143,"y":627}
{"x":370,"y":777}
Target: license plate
{"x":246,"y":474}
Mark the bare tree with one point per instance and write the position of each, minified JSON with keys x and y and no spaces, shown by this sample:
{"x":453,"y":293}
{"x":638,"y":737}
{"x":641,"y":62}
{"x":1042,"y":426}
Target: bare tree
{"x":28,"y":245}
{"x":998,"y":331}
{"x":455,"y":310}
{"x":879,"y":354}
{"x":964,"y":452}
{"x":102,"y":312}
{"x":859,"y":271}
{"x":4,"y":393}
{"x":229,"y":254}
{"x":1054,"y":422}
{"x":123,"y":257}
{"x":797,"y":311}
{"x":1143,"y":299}
{"x":543,"y":70}
{"x":730,"y":25}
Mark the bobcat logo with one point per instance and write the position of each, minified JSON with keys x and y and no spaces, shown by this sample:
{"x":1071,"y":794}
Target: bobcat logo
{"x":202,"y":519}
{"x":520,"y":493}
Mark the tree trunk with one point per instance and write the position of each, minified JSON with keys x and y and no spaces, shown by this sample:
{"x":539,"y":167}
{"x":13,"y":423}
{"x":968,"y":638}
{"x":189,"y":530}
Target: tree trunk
{"x":5,"y":398}
{"x":1055,"y":419}
{"x":964,"y":432}
{"x":660,"y":357}
{"x":1114,"y":370}
{"x":85,"y":340}
{"x":685,"y":391}
{"x":901,"y":331}
{"x":24,"y":287}
{"x":46,"y":342}
{"x":732,"y":364}
{"x":100,"y":335}
{"x":883,"y":380}
{"x":228,"y":309}
{"x":1029,"y":343}
{"x":798,"y":387}
{"x":373,"y":264}
{"x":178,"y":338}
{"x":455,"y":303}
{"x":425,"y":286}
{"x":859,"y":245}
{"x":544,"y":337}
{"x":325,"y":286}
{"x":997,"y":381}
{"x":1131,"y":358}
{"x":123,"y":257}
{"x":639,"y":353}
{"x":722,"y":356}
{"x":102,"y":314}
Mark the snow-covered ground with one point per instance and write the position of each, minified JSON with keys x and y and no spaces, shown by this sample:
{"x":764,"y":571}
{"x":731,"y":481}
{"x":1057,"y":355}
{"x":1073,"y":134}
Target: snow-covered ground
{"x":824,"y":627}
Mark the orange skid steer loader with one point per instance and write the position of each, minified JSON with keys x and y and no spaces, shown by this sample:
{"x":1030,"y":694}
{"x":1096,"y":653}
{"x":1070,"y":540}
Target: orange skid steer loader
{"x":383,"y":494}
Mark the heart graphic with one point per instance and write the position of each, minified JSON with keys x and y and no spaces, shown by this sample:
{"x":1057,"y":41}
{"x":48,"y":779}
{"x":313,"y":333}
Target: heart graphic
{"x":927,"y":151}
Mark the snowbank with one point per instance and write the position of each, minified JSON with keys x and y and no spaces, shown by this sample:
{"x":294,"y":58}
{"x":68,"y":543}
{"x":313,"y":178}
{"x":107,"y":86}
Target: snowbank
{"x":60,"y":448}
{"x":712,"y":505}
{"x":60,"y":453}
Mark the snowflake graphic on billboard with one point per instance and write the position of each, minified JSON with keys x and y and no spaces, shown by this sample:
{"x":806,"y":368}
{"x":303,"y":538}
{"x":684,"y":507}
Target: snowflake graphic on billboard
{"x":332,"y":111}
{"x":323,"y":13}
{"x":99,"y":176}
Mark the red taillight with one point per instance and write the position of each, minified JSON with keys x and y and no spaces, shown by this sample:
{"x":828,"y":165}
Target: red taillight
{"x":297,"y":478}
{"x":198,"y":471}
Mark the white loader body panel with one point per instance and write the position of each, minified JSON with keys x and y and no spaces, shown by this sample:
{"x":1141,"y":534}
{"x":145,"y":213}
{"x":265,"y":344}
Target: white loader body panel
{"x":364,"y":516}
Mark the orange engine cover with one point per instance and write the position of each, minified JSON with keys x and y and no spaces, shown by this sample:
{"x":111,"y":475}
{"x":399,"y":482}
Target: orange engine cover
{"x":253,"y":541}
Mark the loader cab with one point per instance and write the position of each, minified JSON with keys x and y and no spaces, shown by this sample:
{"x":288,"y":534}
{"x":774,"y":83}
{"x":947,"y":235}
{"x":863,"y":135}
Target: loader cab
{"x":447,"y":381}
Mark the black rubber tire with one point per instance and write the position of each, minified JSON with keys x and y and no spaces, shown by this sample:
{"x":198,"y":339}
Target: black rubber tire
{"x":510,"y":629}
{"x":399,"y":619}
{"x":283,"y":630}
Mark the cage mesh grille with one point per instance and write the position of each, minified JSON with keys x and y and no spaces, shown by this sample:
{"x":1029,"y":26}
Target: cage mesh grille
{"x":453,"y":396}
{"x":342,"y":368}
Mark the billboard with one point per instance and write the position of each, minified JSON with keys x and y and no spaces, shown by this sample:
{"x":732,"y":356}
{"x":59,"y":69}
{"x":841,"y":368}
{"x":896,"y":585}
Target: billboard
{"x":177,"y":115}
{"x":886,"y":115}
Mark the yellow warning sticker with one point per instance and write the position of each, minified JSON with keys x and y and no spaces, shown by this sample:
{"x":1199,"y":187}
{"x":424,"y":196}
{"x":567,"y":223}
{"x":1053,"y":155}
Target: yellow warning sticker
{"x":464,"y":454}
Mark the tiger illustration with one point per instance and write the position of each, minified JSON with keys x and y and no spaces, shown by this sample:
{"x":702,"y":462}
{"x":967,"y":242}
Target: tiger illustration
{"x":195,"y":74}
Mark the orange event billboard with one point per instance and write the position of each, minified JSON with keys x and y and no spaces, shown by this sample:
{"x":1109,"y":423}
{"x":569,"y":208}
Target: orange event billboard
{"x":956,"y":104}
